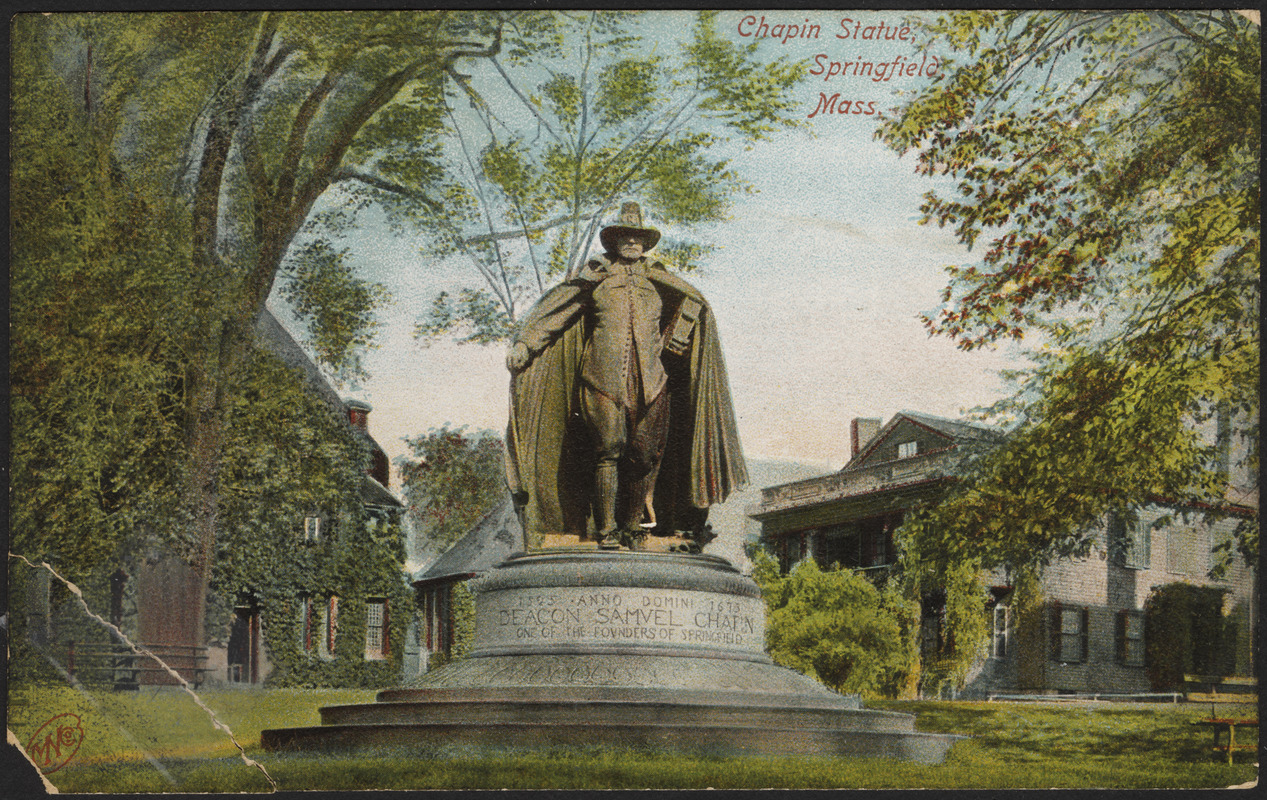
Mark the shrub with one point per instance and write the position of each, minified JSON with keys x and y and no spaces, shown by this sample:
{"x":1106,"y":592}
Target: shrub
{"x":1184,"y":632}
{"x":835,"y":626}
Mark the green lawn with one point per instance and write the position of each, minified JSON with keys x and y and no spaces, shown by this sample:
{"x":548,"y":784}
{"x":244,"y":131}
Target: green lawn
{"x":1013,"y":746}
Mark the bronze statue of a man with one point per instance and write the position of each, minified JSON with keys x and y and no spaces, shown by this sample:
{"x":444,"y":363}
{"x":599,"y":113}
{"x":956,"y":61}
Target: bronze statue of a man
{"x":620,"y":406}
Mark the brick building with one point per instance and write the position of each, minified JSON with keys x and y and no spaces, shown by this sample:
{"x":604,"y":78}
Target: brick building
{"x":1089,"y":637}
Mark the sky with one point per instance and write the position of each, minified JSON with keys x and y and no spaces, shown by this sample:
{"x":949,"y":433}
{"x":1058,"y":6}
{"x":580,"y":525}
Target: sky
{"x":817,"y":282}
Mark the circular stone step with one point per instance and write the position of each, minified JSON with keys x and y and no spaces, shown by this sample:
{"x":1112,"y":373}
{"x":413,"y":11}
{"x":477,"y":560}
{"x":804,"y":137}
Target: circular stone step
{"x":581,"y":647}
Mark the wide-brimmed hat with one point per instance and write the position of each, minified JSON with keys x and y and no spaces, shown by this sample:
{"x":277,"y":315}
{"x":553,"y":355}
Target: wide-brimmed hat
{"x":629,"y":222}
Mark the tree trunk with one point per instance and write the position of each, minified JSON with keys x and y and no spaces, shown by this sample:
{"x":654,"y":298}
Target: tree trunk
{"x":210,"y":384}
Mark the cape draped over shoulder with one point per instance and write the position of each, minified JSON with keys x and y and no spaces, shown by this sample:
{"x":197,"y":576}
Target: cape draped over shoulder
{"x":549,"y":461}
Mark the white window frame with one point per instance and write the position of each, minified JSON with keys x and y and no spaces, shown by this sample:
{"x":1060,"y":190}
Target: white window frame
{"x":376,"y":629}
{"x":907,"y":449}
{"x":306,"y":626}
{"x":1000,"y":631}
{"x":1133,"y":645}
{"x":312,"y":528}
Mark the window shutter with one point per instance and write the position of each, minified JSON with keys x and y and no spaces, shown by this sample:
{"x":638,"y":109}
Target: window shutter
{"x":386,"y":625}
{"x":1086,"y":638}
{"x":1055,"y":630}
{"x":332,"y":623}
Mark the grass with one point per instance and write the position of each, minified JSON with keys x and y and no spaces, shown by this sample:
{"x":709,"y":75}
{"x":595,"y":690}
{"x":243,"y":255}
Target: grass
{"x":1013,"y":746}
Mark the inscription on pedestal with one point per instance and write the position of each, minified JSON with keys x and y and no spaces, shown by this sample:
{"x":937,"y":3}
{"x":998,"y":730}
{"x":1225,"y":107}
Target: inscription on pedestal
{"x":624,"y":616}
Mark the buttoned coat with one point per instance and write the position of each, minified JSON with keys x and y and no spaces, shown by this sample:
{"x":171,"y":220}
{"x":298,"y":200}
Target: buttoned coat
{"x":549,"y":459}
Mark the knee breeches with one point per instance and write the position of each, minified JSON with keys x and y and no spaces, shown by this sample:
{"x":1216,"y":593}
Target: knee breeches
{"x":637,"y":434}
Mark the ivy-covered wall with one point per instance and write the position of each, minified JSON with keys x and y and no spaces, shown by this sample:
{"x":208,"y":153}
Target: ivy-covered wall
{"x":292,"y":457}
{"x":287,"y":455}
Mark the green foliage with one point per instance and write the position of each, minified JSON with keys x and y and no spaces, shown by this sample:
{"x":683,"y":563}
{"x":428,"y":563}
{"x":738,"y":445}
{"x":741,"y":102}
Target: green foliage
{"x":835,"y":626}
{"x":475,"y":313}
{"x":462,"y":607}
{"x":1243,"y":542}
{"x":967,"y":627}
{"x":169,"y":164}
{"x":337,"y":305}
{"x":1185,"y":632}
{"x":290,"y":456}
{"x":924,"y":568}
{"x":451,"y":480}
{"x":99,"y":287}
{"x":598,"y":113}
{"x":1110,"y":160}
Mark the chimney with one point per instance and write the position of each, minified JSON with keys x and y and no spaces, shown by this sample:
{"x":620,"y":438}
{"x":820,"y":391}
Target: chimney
{"x":359,"y":414}
{"x":861,"y":431}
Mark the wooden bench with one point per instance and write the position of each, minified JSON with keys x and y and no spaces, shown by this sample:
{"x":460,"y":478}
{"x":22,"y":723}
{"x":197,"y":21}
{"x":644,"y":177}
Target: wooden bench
{"x":1218,"y":724}
{"x":1220,"y":689}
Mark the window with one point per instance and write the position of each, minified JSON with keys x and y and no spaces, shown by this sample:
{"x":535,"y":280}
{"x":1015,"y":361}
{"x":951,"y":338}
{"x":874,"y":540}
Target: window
{"x":1130,"y":638}
{"x":875,"y":546}
{"x":797,"y":547}
{"x":312,"y":528}
{"x":1069,"y":633}
{"x":1181,"y":551}
{"x":329,"y":626}
{"x":305,"y":623}
{"x":1130,"y":543}
{"x":998,"y":643}
{"x":376,"y":629}
{"x":907,"y":449}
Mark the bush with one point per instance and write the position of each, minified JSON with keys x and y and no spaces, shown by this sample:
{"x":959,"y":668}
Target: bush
{"x":1185,"y":632}
{"x":835,"y":626}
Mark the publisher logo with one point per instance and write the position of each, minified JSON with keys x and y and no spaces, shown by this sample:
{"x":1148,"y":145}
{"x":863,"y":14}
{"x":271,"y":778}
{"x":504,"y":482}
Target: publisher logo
{"x":56,"y":742}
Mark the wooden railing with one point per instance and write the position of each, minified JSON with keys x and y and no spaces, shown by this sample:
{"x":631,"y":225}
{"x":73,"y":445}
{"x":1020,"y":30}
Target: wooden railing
{"x":119,"y":665}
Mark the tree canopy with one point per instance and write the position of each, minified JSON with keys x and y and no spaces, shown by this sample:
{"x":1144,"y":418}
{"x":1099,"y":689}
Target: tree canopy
{"x":1105,"y":164}
{"x":164,"y":166}
{"x":452,"y":480}
{"x":579,"y":111}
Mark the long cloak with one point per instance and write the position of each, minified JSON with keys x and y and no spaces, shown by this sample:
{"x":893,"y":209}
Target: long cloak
{"x":549,"y":458}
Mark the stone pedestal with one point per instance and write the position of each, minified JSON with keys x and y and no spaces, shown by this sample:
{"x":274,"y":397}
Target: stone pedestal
{"x":646,"y":650}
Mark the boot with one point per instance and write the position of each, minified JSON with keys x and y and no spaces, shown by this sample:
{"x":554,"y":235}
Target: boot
{"x":605,"y":484}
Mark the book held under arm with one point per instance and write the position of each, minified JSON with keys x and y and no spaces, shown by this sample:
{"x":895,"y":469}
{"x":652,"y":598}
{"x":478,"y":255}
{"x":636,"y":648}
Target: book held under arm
{"x":678,"y":335}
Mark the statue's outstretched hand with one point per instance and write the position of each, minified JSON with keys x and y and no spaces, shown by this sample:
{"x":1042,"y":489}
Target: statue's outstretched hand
{"x":518,"y":357}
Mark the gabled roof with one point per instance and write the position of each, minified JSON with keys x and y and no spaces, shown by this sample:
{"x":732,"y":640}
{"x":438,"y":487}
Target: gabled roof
{"x":376,"y":494}
{"x":271,"y":335}
{"x":953,"y":430}
{"x":486,"y":545}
